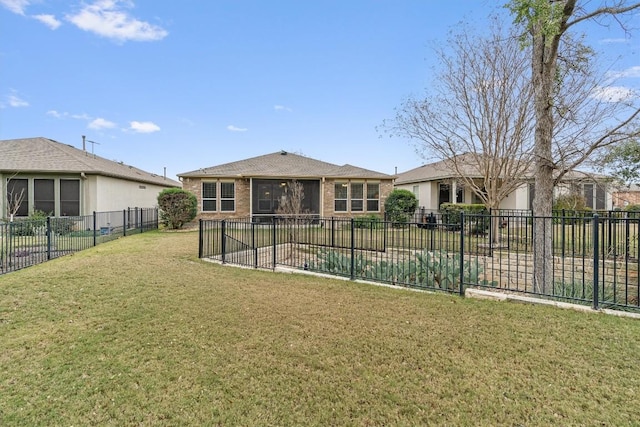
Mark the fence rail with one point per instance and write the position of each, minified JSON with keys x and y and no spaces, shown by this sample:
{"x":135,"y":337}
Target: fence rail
{"x":26,"y":242}
{"x":594,"y":260}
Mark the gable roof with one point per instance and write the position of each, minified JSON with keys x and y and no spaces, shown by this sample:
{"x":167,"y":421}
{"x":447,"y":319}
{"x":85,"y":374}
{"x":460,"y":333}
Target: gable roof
{"x":445,"y":169}
{"x":284,"y":165}
{"x":43,"y":155}
{"x":438,"y":170}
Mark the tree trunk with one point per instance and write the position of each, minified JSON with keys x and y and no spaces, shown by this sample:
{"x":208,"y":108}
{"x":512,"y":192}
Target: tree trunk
{"x":544,"y":70}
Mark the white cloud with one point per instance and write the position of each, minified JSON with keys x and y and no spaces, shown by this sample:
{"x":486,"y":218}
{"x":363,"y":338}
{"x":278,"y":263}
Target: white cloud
{"x":610,"y":41}
{"x":83,"y":116}
{"x":58,"y":115}
{"x":54,"y":113}
{"x":101,"y":123}
{"x":107,"y":18}
{"x":613,"y":94}
{"x":15,"y":6}
{"x":16,"y":102}
{"x":48,"y":20}
{"x":632,"y":72}
{"x":282,"y":108}
{"x":233,"y":128}
{"x":144,"y":127}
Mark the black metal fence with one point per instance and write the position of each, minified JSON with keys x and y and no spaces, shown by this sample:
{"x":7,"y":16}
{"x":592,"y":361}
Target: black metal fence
{"x":27,"y":241}
{"x":592,"y":260}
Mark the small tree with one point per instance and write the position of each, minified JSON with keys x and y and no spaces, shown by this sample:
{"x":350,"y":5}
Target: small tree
{"x":15,"y":197}
{"x":177,"y":207}
{"x":400,"y":206}
{"x":291,"y":202}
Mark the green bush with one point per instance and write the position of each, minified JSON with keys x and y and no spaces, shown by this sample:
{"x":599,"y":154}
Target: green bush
{"x":570,"y":202}
{"x":31,"y":225}
{"x":369,"y":221}
{"x":400,"y":206}
{"x":452,"y":216}
{"x":177,"y":207}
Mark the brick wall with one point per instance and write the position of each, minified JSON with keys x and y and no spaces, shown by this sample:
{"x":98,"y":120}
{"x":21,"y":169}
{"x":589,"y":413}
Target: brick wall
{"x":243,"y":198}
{"x":243,"y":195}
{"x":328,"y":199}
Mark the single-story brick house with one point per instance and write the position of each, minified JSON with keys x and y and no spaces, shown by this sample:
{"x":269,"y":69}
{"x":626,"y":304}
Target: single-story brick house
{"x":436,"y":183}
{"x":63,"y":180}
{"x":625,"y":196}
{"x":253,"y":188}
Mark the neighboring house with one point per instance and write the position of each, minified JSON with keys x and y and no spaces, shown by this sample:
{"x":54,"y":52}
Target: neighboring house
{"x":254,"y":187}
{"x":435,"y":183}
{"x":625,"y":196}
{"x":62,"y":180}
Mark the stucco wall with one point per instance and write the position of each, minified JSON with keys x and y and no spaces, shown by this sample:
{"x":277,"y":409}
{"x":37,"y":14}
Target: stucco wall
{"x":109,"y":194}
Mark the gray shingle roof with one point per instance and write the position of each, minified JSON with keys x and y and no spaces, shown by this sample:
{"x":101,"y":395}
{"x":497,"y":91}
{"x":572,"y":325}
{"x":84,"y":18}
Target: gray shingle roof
{"x":42,"y":155}
{"x":284,"y":165}
{"x":444,"y":169}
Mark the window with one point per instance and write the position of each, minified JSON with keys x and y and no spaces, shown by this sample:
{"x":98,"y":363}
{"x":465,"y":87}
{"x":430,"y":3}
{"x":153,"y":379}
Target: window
{"x":459,"y":194}
{"x":44,"y":198}
{"x":357,"y":196}
{"x":588,"y":195}
{"x":209,"y":197}
{"x":595,"y":196}
{"x":69,"y":197}
{"x":341,"y":196}
{"x":444,"y":194}
{"x":227,"y":196}
{"x":373,"y":197}
{"x":18,"y":197}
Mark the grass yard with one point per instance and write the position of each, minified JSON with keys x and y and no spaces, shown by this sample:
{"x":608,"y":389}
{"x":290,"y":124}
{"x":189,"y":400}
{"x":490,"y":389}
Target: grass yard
{"x":138,"y":331}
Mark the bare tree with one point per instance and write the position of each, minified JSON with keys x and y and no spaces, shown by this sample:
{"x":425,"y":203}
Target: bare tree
{"x":291,"y":207}
{"x":477,"y":117}
{"x":291,"y":213}
{"x":559,"y":148}
{"x":15,"y":198}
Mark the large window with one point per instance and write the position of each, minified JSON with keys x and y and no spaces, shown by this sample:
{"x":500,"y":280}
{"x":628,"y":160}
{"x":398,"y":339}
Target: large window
{"x":69,"y":197}
{"x":357,"y":196}
{"x":227,"y":196}
{"x":18,"y":197}
{"x":373,"y":197}
{"x":53,"y":196}
{"x":341,"y":196}
{"x":44,"y":198}
{"x":209,"y":196}
{"x":595,"y":196}
{"x":220,"y":195}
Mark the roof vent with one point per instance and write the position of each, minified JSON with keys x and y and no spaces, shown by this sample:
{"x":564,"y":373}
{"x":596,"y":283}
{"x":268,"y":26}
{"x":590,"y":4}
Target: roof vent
{"x":283,"y":153}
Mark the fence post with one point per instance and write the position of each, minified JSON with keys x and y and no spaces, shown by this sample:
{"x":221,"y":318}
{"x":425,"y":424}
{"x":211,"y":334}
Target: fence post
{"x":48,"y":238}
{"x":124,"y":222}
{"x":461,"y":290}
{"x":274,"y":238}
{"x":253,"y":245}
{"x":200,"y":239}
{"x":596,"y":261}
{"x":95,"y":240}
{"x":353,"y":250}
{"x":223,"y":240}
{"x":333,"y":236}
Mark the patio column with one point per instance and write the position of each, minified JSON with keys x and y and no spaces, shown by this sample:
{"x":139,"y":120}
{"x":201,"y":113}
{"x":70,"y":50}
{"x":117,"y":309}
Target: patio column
{"x":454,"y":191}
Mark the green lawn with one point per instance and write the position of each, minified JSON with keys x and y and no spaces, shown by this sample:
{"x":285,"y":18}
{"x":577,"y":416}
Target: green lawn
{"x":138,"y":331}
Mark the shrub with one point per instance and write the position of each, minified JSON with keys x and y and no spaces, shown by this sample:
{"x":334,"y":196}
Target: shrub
{"x":570,"y":202}
{"x":177,"y":207}
{"x":400,"y":206}
{"x":368,"y":221}
{"x":31,"y":225}
{"x":452,"y":216}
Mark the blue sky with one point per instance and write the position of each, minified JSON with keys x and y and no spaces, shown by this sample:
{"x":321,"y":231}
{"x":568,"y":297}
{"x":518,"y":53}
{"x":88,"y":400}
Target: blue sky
{"x":197,"y":83}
